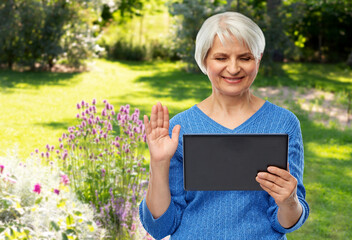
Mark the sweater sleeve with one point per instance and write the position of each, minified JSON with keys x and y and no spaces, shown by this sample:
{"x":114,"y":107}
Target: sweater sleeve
{"x":168,"y":223}
{"x":296,"y":166}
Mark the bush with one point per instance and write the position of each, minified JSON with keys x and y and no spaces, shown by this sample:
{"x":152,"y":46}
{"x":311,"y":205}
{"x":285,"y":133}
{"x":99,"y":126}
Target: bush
{"x":103,"y":157}
{"x":122,"y":50}
{"x":35,"y":203}
{"x":39,"y":33}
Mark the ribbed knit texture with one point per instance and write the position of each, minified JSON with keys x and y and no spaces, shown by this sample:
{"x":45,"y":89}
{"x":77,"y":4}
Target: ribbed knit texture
{"x":222,"y":215}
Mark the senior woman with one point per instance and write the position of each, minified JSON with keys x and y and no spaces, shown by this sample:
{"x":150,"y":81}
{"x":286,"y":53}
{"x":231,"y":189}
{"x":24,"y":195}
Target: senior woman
{"x":229,"y":47}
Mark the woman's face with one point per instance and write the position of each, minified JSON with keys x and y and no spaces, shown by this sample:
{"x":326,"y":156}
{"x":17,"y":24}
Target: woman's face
{"x":231,"y":68}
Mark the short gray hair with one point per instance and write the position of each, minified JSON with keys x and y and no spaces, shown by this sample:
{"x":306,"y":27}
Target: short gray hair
{"x":222,"y":25}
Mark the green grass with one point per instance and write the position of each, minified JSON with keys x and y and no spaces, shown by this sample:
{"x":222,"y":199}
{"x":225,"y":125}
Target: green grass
{"x":329,"y":77}
{"x":36,"y":108}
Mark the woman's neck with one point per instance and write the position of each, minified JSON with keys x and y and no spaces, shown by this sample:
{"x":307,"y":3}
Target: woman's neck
{"x":231,"y":111}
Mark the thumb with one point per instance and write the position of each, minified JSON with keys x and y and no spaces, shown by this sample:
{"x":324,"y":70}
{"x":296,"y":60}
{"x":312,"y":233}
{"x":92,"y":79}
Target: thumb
{"x":176,"y":133}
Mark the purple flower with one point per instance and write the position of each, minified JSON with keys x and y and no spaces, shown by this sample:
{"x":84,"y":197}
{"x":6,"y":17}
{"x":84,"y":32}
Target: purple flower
{"x":56,"y":191}
{"x":77,"y":116}
{"x":94,"y":131}
{"x":61,"y":145}
{"x":64,"y":155}
{"x":57,"y":151}
{"x":2,"y":168}
{"x":64,"y":179}
{"x":47,"y":154}
{"x":42,"y":154}
{"x":78,"y":106}
{"x":37,"y":188}
{"x":36,"y":150}
{"x":103,"y":171}
{"x":104,"y":113}
{"x":94,"y":101}
{"x":82,"y":103}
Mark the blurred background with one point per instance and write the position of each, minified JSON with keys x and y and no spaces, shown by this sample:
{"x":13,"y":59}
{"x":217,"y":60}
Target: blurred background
{"x":56,"y":53}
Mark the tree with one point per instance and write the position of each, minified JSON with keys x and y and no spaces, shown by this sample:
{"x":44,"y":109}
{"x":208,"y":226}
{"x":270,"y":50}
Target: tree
{"x":36,"y":31}
{"x":10,"y":48}
{"x":190,"y":16}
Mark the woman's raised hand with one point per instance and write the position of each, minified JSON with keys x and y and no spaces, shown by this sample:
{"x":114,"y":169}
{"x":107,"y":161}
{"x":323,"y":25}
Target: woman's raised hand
{"x":161,"y":146}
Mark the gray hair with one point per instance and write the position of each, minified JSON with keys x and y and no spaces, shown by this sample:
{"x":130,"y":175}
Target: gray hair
{"x":224,"y":25}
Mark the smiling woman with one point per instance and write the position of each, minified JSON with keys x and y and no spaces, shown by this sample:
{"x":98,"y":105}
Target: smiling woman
{"x":229,"y":47}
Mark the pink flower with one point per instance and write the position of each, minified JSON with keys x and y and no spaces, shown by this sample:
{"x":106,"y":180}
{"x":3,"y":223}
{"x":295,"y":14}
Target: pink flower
{"x":78,"y":106}
{"x":64,"y":179}
{"x":94,"y":101}
{"x":37,"y":188}
{"x":56,"y":191}
{"x":2,"y":168}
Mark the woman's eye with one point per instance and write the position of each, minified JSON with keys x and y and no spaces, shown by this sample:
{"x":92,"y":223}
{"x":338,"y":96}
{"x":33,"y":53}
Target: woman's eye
{"x":246,"y":59}
{"x":220,"y":59}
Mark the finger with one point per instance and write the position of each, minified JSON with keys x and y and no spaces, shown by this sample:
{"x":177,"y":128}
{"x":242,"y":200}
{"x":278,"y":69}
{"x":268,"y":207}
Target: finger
{"x":280,"y":172}
{"x":153,"y":117}
{"x":176,"y":133}
{"x":269,"y":191}
{"x":160,"y":119}
{"x":269,"y":185}
{"x":147,"y":125}
{"x":272,"y":178}
{"x":166,"y":118}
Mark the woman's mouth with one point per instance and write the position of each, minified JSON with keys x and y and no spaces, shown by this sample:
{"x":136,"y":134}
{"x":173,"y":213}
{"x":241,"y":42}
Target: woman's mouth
{"x":233,"y":80}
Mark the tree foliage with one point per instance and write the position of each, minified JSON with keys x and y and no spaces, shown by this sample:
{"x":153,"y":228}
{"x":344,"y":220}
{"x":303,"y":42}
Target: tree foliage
{"x":190,"y":16}
{"x":43,"y":31}
{"x":295,"y":30}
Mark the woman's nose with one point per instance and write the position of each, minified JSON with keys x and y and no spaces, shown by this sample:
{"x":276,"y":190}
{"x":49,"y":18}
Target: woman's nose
{"x":233,"y":67}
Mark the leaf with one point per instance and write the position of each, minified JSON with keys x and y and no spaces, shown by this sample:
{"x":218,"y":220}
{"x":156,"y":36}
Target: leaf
{"x":54,"y":225}
{"x":70,"y":232}
{"x":61,"y":203}
{"x":90,"y":227}
{"x":64,"y":236}
{"x":77,"y":213}
{"x":69,"y":220}
{"x":38,"y":201}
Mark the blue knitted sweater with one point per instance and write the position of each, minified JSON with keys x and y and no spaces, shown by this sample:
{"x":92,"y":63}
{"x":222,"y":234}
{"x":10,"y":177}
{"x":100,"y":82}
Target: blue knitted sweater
{"x":222,"y":215}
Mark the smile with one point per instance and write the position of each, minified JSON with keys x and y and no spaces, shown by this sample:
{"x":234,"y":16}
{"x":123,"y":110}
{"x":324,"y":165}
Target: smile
{"x":233,"y":79}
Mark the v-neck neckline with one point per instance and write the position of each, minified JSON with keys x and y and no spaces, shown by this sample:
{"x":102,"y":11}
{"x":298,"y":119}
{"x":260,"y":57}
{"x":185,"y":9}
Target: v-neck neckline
{"x":239,"y":127}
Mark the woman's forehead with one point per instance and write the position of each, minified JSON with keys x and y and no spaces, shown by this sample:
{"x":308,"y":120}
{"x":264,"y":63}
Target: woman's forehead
{"x":230,"y":43}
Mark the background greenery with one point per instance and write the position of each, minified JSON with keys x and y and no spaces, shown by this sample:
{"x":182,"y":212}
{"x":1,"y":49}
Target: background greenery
{"x":308,"y":46}
{"x":38,"y":107}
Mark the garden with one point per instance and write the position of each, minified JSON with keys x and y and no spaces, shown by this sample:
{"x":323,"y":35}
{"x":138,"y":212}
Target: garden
{"x":73,"y":156}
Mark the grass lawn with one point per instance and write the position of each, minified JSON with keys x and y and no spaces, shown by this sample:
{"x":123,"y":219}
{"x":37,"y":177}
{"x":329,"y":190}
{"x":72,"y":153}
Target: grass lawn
{"x":36,"y":108}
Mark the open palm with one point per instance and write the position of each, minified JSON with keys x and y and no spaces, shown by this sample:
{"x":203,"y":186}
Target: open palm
{"x":161,"y":146}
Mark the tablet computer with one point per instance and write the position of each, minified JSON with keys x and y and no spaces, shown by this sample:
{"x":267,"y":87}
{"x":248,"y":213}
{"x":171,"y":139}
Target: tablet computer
{"x":217,"y":162}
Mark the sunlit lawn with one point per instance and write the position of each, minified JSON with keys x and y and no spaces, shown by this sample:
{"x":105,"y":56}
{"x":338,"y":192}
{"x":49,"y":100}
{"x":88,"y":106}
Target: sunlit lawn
{"x":36,"y":108}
